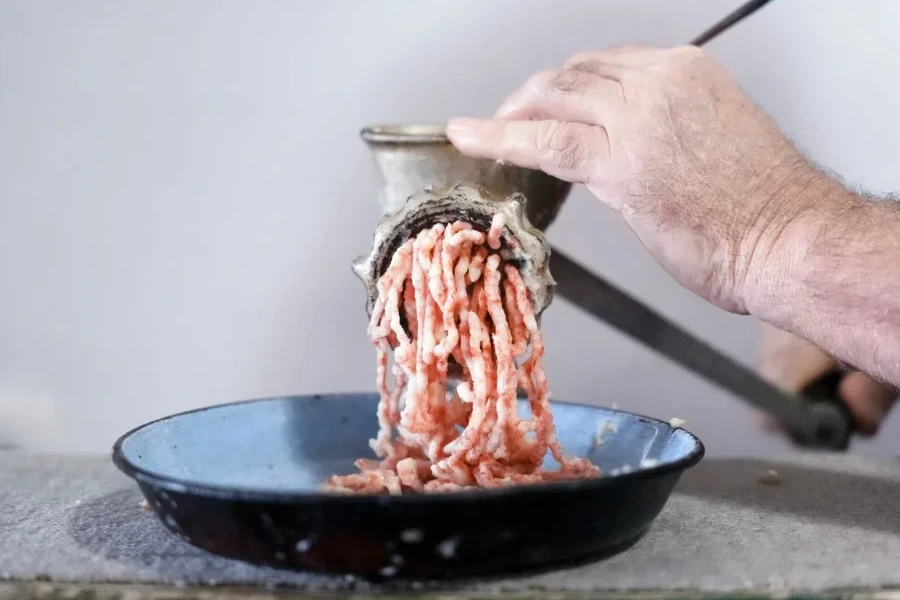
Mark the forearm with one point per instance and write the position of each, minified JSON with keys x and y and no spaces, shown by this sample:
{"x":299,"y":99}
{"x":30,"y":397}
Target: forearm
{"x":833,"y":277}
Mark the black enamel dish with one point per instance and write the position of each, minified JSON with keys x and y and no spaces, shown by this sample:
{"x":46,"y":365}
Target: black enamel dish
{"x":241,"y":480}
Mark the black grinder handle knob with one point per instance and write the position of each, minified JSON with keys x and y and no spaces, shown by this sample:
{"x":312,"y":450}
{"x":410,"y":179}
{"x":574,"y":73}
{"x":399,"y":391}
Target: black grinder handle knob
{"x":829,"y":424}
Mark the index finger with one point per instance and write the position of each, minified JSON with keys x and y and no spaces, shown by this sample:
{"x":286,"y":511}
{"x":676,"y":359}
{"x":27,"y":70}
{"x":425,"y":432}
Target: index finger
{"x":585,"y":93}
{"x":569,"y":151}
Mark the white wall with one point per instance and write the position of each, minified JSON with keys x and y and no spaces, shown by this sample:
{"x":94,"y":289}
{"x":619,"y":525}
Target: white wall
{"x":182,"y":188}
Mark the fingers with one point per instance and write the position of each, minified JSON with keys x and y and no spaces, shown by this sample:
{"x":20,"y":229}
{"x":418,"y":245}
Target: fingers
{"x":628,"y":55}
{"x":557,"y":122}
{"x":587,"y":89}
{"x":560,"y":121}
{"x":568,"y":151}
{"x":518,"y":106}
{"x":790,"y":362}
{"x":588,"y":93}
{"x":870,"y":401}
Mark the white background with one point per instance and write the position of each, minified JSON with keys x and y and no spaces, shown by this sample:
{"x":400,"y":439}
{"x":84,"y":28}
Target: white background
{"x":182,"y":190}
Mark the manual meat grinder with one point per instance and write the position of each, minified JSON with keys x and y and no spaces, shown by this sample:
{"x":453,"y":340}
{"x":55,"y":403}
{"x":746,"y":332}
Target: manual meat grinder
{"x":426,"y":180}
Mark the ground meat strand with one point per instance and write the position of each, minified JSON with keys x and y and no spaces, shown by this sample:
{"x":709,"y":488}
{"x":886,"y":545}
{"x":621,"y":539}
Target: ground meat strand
{"x":449,"y":295}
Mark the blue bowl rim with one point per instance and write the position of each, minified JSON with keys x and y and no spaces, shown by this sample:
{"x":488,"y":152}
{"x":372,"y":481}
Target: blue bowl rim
{"x":183,"y":486}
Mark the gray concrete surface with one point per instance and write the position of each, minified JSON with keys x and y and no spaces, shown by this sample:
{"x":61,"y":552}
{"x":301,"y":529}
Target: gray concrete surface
{"x":832,"y":523}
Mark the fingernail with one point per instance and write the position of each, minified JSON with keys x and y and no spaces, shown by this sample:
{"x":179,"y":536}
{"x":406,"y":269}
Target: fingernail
{"x":463,"y":130}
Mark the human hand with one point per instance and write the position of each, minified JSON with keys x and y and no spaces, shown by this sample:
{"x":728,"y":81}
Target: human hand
{"x":791,"y":364}
{"x":707,"y":182}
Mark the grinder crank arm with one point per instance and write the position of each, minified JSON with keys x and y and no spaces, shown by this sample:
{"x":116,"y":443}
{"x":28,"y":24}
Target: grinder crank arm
{"x":818,"y":421}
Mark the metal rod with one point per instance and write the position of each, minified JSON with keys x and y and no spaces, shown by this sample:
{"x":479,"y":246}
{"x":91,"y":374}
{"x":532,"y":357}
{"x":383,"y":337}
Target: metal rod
{"x":616,"y":308}
{"x":737,"y":15}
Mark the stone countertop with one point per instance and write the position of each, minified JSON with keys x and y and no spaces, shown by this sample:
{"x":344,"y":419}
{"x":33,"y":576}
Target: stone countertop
{"x":832,"y":523}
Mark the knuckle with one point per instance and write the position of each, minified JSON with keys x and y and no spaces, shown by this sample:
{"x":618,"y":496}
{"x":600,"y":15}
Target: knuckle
{"x":565,"y":145}
{"x":540,"y":80}
{"x":689,"y":52}
{"x":685,"y":56}
{"x":571,"y":80}
{"x":543,"y":132}
{"x":590,"y":67}
{"x":580,"y":57}
{"x":634,"y":48}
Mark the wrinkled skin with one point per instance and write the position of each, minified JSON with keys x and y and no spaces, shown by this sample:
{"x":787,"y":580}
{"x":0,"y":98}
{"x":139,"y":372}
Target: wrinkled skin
{"x":666,"y":138}
{"x":708,"y":183}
